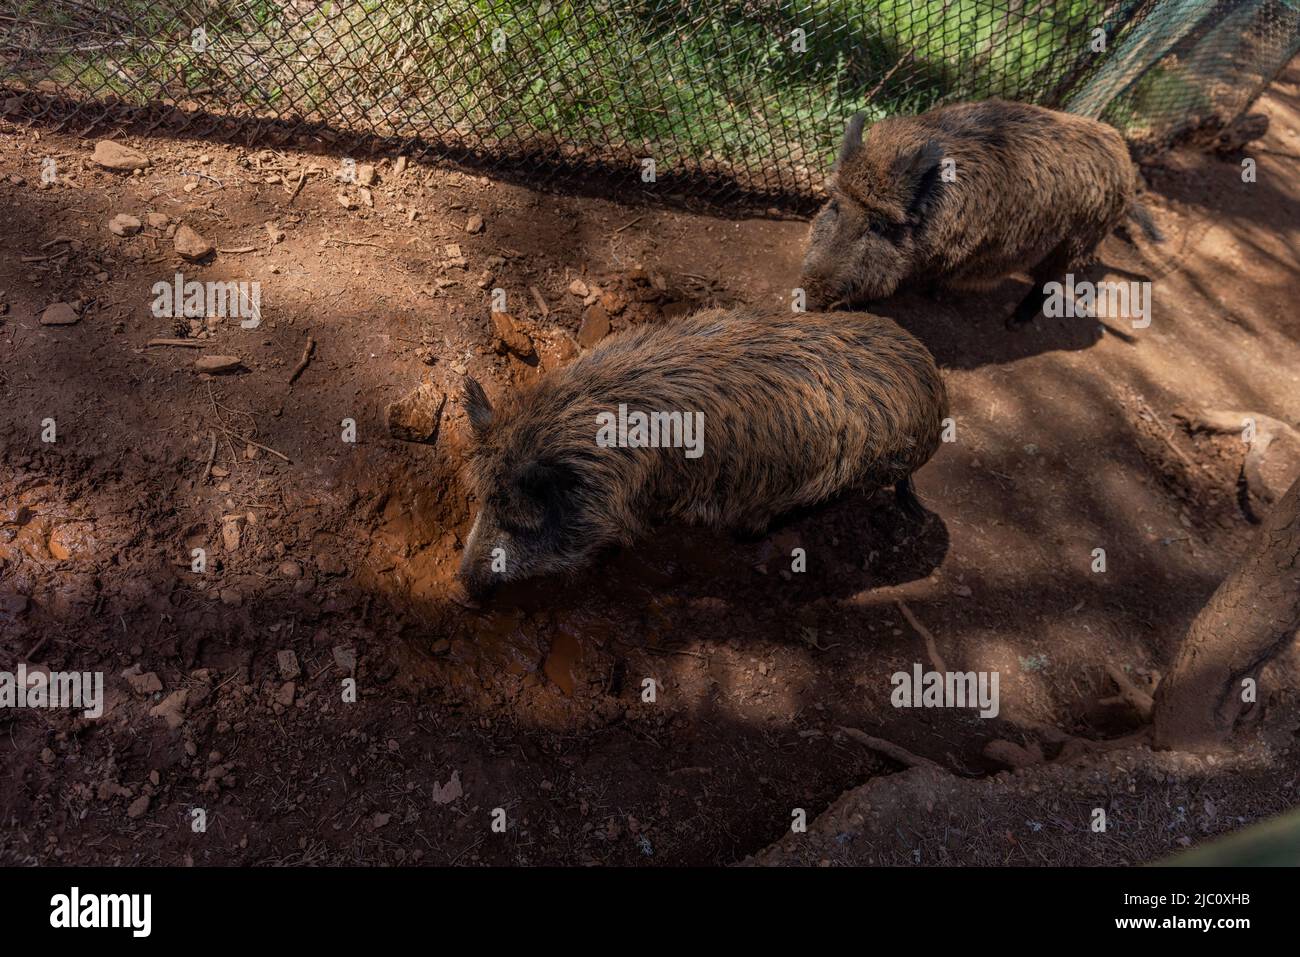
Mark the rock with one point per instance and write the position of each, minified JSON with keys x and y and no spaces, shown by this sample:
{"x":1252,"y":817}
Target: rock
{"x":509,"y":338}
{"x":139,"y":807}
{"x":108,"y":790}
{"x":157,"y":220}
{"x":146,"y":683}
{"x":231,"y":597}
{"x":579,"y":289}
{"x":215,"y":365}
{"x":124,"y":225}
{"x":451,"y":791}
{"x":230,"y":535}
{"x":612,"y":302}
{"x":595,"y":326}
{"x":474,"y":224}
{"x":345,"y":656}
{"x":415,"y":416}
{"x":366,"y":175}
{"x":290,"y":569}
{"x":287,"y":662}
{"x":190,"y":245}
{"x":380,"y":819}
{"x":171,"y":709}
{"x":113,"y":155}
{"x":557,"y":349}
{"x":59,"y":314}
{"x":1270,"y":473}
{"x":284,"y":697}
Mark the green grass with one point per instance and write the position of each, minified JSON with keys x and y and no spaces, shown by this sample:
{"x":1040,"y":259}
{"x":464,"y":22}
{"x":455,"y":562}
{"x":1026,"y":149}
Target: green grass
{"x":1162,"y":90}
{"x":685,"y":82}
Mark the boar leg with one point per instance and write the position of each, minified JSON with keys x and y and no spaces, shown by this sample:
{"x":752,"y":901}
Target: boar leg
{"x":905,"y":495}
{"x":1053,"y":267}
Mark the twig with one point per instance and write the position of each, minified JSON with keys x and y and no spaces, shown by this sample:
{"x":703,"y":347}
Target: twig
{"x":350,"y":242}
{"x":891,"y":750}
{"x":302,"y":179}
{"x":931,"y":647}
{"x":35,"y":648}
{"x":1167,"y":436}
{"x":1130,"y":692}
{"x":541,"y":303}
{"x":188,"y":172}
{"x":238,"y":249}
{"x":632,"y":223}
{"x":258,"y":445}
{"x":212,"y":456}
{"x":307,"y":351}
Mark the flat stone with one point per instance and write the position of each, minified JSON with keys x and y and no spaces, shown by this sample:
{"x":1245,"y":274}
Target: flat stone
{"x":59,"y":314}
{"x":113,"y":155}
{"x":124,"y":225}
{"x":172,"y":708}
{"x":509,"y":338}
{"x":345,"y":656}
{"x":415,"y":416}
{"x":146,"y":683}
{"x":287,"y":663}
{"x":190,"y":245}
{"x":286,"y":694}
{"x":595,"y":326}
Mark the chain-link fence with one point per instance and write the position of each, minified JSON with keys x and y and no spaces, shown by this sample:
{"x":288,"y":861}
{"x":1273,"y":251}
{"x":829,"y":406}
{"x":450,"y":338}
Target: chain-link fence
{"x":698,"y":97}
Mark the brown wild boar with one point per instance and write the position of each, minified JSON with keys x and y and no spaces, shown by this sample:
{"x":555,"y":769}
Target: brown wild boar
{"x":965,"y":195}
{"x":723,"y":418}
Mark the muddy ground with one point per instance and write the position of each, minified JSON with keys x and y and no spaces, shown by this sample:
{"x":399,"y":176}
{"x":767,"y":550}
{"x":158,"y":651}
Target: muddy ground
{"x":342,"y":552}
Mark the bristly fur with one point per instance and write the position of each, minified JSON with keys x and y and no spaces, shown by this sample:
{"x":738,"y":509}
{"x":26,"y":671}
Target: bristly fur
{"x":796,"y":408}
{"x":1035,"y":189}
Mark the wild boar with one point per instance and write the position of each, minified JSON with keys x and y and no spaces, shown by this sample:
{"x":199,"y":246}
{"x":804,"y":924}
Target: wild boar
{"x":724,"y":418}
{"x":965,"y":195}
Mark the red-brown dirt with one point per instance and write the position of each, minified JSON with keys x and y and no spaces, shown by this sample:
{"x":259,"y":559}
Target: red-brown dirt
{"x":1065,"y":442}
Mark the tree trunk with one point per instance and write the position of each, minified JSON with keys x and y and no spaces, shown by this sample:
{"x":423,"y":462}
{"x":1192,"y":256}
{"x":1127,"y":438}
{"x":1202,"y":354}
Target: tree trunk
{"x":1249,"y":619}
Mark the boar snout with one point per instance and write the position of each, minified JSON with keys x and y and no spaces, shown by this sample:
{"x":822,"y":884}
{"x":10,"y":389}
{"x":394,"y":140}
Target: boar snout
{"x":474,"y":576}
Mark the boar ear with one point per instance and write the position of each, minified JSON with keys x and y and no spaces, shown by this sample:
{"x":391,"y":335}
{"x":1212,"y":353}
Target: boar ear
{"x":917,"y":170}
{"x":852,"y":139}
{"x":477,"y":407}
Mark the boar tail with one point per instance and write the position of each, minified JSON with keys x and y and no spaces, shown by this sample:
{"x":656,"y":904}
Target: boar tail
{"x":1142,"y":216}
{"x":905,"y":495}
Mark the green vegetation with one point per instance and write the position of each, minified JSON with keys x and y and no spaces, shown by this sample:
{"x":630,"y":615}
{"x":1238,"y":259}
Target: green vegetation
{"x":730,"y":83}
